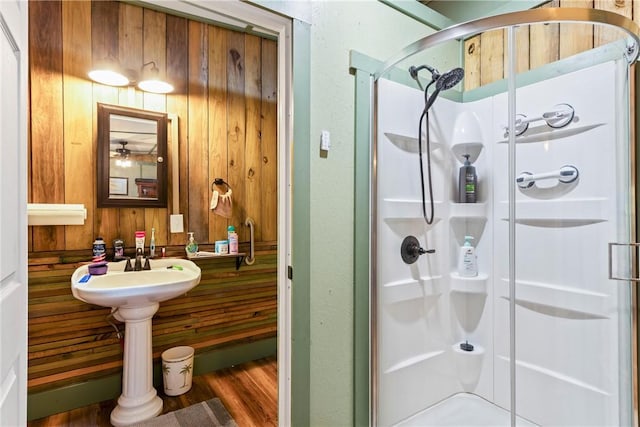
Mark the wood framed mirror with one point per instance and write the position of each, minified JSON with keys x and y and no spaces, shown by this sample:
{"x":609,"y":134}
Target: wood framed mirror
{"x":132,"y":157}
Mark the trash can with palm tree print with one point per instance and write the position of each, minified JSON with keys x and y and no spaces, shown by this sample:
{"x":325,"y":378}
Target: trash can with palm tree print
{"x":177,"y":370}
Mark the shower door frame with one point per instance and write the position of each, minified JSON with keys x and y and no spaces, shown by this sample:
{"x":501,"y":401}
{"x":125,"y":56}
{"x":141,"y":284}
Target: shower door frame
{"x":542,"y":15}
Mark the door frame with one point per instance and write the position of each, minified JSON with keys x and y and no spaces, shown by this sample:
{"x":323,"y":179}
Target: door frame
{"x":293,"y":218}
{"x":13,"y":267}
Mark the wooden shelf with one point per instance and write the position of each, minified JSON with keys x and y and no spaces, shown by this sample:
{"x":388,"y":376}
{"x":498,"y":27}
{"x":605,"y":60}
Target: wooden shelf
{"x":212,"y":255}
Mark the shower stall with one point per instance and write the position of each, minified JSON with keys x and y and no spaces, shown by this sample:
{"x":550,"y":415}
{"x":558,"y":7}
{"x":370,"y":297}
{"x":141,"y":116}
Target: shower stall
{"x":542,"y":331}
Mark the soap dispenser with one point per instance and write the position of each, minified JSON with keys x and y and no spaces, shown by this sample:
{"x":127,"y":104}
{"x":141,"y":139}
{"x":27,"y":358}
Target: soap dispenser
{"x":467,"y":182}
{"x":191,"y":247}
{"x":468,"y":260}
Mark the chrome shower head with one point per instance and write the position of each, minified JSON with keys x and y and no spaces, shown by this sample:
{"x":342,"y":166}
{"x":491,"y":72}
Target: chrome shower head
{"x":444,"y":82}
{"x":450,"y":79}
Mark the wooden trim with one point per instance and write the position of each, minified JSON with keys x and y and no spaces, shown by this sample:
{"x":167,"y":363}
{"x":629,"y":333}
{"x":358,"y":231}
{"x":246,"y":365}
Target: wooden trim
{"x":96,"y":390}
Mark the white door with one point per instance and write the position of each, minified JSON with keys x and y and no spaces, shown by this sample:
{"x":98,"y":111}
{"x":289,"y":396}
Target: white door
{"x":13,"y":213}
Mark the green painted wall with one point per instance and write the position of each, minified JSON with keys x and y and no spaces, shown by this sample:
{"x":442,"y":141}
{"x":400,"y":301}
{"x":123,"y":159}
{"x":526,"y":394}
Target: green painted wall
{"x":336,"y":28}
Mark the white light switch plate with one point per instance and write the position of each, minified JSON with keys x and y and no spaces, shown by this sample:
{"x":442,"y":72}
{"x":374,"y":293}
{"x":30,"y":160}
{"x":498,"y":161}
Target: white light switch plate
{"x":176,"y":223}
{"x":325,"y":140}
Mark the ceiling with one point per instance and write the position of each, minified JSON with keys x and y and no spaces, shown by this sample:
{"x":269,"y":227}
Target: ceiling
{"x":467,"y":10}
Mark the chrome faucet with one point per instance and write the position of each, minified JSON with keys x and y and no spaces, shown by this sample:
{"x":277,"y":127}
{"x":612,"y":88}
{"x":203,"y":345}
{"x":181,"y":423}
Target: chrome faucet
{"x":138,"y":264}
{"x":141,"y":263}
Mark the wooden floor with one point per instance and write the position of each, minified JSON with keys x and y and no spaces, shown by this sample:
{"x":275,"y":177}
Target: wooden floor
{"x":248,"y":391}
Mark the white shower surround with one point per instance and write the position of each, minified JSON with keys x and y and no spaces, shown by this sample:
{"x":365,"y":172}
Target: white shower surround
{"x":572,"y":323}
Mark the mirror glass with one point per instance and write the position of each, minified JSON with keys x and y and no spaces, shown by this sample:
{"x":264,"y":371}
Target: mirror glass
{"x":132,"y":147}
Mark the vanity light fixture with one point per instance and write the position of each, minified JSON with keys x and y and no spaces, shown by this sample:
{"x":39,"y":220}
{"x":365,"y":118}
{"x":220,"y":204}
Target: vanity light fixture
{"x":151,"y":81}
{"x":108,"y":72}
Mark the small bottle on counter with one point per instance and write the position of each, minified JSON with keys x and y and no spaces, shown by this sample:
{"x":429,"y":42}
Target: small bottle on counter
{"x":118,"y":249}
{"x":152,"y":243}
{"x":191,"y":248}
{"x":232,"y":237}
{"x":99,"y":250}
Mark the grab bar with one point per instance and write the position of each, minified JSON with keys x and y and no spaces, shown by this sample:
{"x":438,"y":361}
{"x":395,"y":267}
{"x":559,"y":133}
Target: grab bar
{"x":251,"y":258}
{"x":565,"y":175}
{"x":559,"y":117}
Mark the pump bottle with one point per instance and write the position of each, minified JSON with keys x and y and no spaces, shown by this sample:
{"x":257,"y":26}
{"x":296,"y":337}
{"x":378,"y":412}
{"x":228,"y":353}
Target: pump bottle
{"x":467,"y":260}
{"x":467,"y":182}
{"x":191,"y":248}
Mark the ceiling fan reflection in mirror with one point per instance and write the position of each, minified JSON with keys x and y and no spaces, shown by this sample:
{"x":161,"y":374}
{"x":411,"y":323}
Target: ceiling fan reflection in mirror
{"x":123,"y":152}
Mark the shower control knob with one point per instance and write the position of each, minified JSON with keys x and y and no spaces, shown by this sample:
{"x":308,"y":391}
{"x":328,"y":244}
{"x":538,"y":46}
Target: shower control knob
{"x":411,"y":250}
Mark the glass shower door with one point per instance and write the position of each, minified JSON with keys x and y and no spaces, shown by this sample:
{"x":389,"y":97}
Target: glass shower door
{"x":573,"y":197}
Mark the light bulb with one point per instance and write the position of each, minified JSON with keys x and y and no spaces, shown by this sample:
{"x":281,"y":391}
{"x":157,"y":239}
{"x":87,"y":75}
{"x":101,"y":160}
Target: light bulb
{"x":155,"y":86}
{"x":108,"y":77}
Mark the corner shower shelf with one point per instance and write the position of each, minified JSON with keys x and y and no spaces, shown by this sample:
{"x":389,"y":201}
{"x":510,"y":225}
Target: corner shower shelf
{"x":472,"y":285}
{"x":415,"y":360}
{"x":406,"y":290}
{"x":558,"y":213}
{"x":468,"y":210}
{"x":410,"y":143}
{"x":473,"y":149}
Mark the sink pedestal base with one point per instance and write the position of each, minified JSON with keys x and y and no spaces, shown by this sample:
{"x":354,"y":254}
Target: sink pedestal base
{"x":139,"y":400}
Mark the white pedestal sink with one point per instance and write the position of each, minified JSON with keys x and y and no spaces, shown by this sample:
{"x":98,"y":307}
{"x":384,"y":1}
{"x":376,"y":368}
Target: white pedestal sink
{"x":135,"y":297}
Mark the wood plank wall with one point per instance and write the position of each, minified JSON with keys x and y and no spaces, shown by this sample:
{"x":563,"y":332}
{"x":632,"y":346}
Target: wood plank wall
{"x":71,"y":341}
{"x":486,"y":54}
{"x":225,"y":98}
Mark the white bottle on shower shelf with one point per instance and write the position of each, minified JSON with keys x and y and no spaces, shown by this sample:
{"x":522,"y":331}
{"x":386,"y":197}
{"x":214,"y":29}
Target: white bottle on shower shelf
{"x":468,"y":260}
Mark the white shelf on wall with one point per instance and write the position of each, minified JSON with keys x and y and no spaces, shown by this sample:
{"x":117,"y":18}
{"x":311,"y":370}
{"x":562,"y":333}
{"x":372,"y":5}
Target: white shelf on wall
{"x":405,"y":290}
{"x":415,"y":360}
{"x":473,"y":285}
{"x":558,"y":213}
{"x":55,"y":214}
{"x":404,"y":208}
{"x":410,"y":143}
{"x":468,"y":210}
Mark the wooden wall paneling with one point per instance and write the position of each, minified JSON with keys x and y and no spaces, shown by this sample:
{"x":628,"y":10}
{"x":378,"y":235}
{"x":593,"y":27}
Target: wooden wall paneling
{"x":47,"y":130}
{"x":130,"y":220}
{"x":104,"y":45}
{"x":218,"y":117}
{"x":236,"y":124}
{"x":253,"y":175}
{"x":544,"y":41}
{"x":79,"y":161}
{"x":267,"y":229}
{"x":129,"y":42}
{"x":130,"y":54}
{"x":177,"y":74}
{"x":155,"y":49}
{"x":472,"y":53}
{"x":603,"y":34}
{"x":521,"y":49}
{"x":197,"y":176}
{"x":71,"y":341}
{"x":492,"y":58}
{"x":575,"y":38}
